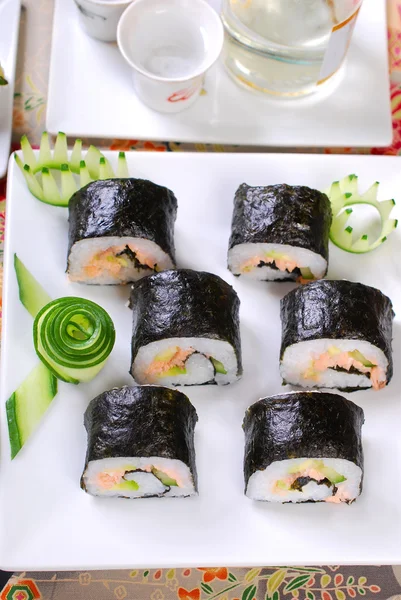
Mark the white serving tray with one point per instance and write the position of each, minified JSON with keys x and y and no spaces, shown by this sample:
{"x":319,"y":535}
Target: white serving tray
{"x":91,"y":94}
{"x":48,"y":522}
{"x":9,"y":26}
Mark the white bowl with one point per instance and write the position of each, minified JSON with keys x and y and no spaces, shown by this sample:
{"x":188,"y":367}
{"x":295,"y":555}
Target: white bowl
{"x":170,"y":44}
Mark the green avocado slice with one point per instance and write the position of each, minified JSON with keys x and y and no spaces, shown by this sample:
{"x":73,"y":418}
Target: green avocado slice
{"x":218,"y":366}
{"x":164,"y":478}
{"x":174,"y":371}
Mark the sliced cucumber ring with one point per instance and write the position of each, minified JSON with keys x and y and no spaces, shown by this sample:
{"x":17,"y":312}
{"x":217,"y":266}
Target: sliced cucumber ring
{"x":343,"y":194}
{"x":40,"y":180}
{"x":73,"y":337}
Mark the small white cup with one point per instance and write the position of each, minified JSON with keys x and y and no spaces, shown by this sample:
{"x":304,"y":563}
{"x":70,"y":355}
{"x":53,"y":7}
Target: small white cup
{"x":99,"y":18}
{"x":170,"y":44}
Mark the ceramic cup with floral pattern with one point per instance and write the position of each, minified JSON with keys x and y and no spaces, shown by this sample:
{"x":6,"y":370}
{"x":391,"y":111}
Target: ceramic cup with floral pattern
{"x":169,"y":44}
{"x":99,"y":18}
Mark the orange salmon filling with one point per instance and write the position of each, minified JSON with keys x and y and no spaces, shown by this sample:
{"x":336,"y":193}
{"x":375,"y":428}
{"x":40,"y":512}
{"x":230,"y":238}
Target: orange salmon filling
{"x":282,"y":262}
{"x":345,"y":360}
{"x":159,"y":366}
{"x":109,"y":262}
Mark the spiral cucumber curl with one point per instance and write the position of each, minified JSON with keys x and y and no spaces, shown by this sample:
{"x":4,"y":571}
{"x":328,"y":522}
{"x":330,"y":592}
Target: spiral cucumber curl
{"x":73,"y":337}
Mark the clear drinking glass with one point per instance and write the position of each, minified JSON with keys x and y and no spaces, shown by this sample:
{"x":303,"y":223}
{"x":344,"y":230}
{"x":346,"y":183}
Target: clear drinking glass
{"x":287,"y":47}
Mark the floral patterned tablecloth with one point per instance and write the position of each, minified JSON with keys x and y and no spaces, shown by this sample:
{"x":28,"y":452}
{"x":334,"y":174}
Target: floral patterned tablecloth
{"x":269,"y":583}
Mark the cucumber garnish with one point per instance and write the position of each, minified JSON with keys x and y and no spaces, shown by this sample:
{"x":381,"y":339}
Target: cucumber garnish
{"x":37,"y":170}
{"x":344,"y":194}
{"x":73,"y":337}
{"x":31,"y":293}
{"x":122,"y":167}
{"x":27,"y":405}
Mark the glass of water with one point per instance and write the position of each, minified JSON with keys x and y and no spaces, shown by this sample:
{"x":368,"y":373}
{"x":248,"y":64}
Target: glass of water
{"x":287,"y":47}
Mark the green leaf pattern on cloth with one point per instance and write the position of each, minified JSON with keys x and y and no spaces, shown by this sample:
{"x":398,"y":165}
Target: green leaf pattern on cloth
{"x":218,"y":583}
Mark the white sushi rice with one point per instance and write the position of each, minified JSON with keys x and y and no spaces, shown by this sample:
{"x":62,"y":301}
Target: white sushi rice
{"x":241,"y":253}
{"x":199,"y":368}
{"x":261,"y":485}
{"x":149,"y":485}
{"x":297,"y":359}
{"x":82,"y":255}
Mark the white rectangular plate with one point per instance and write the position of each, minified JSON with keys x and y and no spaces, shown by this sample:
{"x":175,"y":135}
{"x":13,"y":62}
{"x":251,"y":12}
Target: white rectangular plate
{"x":91,"y":94}
{"x":9,"y":24}
{"x":48,"y":522}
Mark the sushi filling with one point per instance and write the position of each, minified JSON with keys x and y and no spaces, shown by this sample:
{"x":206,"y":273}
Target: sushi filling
{"x":303,"y":480}
{"x":139,"y":477}
{"x":115,"y":260}
{"x":352,"y":362}
{"x":131,"y":478}
{"x":186,"y":361}
{"x":276,"y":262}
{"x":334,"y":363}
{"x":173,"y":362}
{"x":313,"y":472}
{"x":279,"y":262}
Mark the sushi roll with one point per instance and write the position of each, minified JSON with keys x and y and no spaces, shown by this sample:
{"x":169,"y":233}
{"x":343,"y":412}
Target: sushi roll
{"x":303,"y":447}
{"x":336,"y":334}
{"x":120,"y":230}
{"x":185,"y":329}
{"x":140,"y":444}
{"x":280,"y":233}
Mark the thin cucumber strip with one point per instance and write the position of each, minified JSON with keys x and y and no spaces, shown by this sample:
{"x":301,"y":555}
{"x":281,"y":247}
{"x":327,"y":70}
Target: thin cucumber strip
{"x":45,"y":153}
{"x":306,"y":273}
{"x":103,"y":171}
{"x":173,"y":371}
{"x":31,"y":293}
{"x":218,"y":366}
{"x":33,"y":184}
{"x":344,"y":194}
{"x":92,"y":158}
{"x":122,"y":166}
{"x":84,"y":176}
{"x":27,"y":405}
{"x":164,"y":478}
{"x":68,"y":185}
{"x":60,"y":154}
{"x":51,"y":194}
{"x":105,"y":168}
{"x":76,"y":156}
{"x":28,"y":154}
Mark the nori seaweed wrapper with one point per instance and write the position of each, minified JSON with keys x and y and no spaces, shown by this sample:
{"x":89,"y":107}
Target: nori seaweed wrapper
{"x":282,"y":214}
{"x":141,"y":422}
{"x":301,"y":425}
{"x":184,"y":303}
{"x":123,"y":208}
{"x":338,"y":310}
